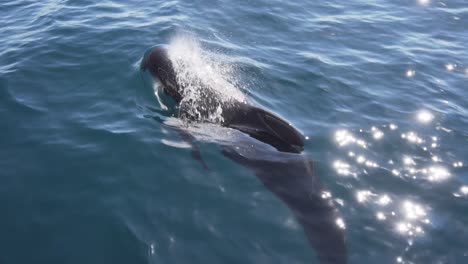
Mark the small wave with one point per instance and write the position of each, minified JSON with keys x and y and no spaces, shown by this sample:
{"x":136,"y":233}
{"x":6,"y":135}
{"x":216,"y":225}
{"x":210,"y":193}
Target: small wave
{"x":175,"y":144}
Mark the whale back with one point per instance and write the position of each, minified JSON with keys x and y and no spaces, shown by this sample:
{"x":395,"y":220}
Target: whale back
{"x":264,"y":126}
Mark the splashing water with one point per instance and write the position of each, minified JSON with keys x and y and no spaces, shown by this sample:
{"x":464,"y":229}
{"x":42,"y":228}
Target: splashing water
{"x":208,"y":82}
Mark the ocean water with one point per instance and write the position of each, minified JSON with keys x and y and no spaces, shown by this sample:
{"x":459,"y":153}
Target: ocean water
{"x":91,"y":170}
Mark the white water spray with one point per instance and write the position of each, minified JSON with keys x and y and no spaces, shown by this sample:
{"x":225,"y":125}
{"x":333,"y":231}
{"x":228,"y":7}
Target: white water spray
{"x":208,"y":82}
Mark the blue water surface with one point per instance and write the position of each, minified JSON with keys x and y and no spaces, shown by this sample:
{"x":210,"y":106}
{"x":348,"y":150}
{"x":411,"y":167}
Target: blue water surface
{"x":87,"y":175}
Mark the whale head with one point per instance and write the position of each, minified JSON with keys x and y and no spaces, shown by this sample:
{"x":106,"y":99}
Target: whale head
{"x":158,"y":63}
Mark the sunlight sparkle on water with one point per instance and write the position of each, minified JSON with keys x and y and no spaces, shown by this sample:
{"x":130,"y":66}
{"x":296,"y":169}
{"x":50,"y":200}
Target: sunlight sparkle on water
{"x":378,"y":134}
{"x":408,"y":161}
{"x":326,"y":195}
{"x":450,"y":67}
{"x":437,"y":173}
{"x":402,"y":227}
{"x":413,"y":211}
{"x":414,"y":214}
{"x":384,"y":200}
{"x":464,"y":190}
{"x":409,"y":229}
{"x":340,"y":223}
{"x":410,"y":73}
{"x":424,"y":116}
{"x":341,"y":167}
{"x":424,"y":2}
{"x":363,"y":196}
{"x":343,"y":137}
{"x":412,"y":137}
{"x":360,"y":159}
{"x":381,"y":216}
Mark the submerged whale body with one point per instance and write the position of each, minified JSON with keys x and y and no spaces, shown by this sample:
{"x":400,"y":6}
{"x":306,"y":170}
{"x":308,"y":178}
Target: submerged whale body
{"x":289,"y":176}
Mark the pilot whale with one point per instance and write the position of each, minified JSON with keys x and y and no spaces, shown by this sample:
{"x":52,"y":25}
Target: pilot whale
{"x":284,"y":172}
{"x":254,"y":121}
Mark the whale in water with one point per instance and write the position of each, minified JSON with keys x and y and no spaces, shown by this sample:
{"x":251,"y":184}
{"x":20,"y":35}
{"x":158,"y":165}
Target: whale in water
{"x":254,"y":121}
{"x":284,"y":172}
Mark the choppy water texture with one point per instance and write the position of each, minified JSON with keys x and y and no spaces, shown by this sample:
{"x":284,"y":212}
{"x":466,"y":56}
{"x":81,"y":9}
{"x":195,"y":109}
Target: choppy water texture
{"x":92,"y":173}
